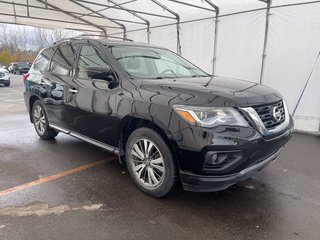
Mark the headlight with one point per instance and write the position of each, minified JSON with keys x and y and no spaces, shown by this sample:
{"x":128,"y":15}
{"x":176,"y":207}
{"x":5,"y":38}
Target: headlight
{"x":210,"y":117}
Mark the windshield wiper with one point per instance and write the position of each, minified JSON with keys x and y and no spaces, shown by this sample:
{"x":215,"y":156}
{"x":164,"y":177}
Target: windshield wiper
{"x":164,"y":77}
{"x":140,"y":56}
{"x":200,"y":75}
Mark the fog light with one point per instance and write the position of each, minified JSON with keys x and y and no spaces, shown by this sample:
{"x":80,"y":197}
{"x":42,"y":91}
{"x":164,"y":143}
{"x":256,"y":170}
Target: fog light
{"x":221,"y":160}
{"x":213,"y":158}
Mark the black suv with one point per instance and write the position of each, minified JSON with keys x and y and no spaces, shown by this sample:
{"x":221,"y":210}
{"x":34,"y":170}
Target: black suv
{"x":19,"y":67}
{"x":168,"y":120}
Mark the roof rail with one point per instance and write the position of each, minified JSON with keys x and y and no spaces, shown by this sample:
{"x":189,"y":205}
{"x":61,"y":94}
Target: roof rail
{"x":87,"y":36}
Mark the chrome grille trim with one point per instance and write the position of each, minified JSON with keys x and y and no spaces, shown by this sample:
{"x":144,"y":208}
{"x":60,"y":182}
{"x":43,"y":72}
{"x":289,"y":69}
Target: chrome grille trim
{"x":259,"y":125}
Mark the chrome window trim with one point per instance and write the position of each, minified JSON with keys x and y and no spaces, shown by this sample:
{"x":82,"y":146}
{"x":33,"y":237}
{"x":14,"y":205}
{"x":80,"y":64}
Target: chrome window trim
{"x":255,"y":119}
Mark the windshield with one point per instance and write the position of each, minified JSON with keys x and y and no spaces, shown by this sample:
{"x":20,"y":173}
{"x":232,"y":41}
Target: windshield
{"x":23,"y":64}
{"x":154,"y":63}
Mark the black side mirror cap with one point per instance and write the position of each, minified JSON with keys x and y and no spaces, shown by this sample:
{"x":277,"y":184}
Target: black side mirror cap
{"x":99,"y":72}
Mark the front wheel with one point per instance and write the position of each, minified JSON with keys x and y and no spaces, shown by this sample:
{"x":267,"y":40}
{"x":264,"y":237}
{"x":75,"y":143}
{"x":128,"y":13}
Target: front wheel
{"x":41,"y":123}
{"x":150,"y":162}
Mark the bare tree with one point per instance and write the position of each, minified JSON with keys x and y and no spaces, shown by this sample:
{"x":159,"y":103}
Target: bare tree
{"x":45,"y":37}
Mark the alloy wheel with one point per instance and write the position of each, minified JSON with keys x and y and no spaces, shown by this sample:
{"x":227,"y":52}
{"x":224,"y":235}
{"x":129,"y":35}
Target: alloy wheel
{"x":40,"y":120}
{"x":147,"y":163}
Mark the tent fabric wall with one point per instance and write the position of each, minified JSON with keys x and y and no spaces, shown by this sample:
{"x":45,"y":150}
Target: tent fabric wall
{"x":240,"y":45}
{"x":293,"y":46}
{"x":198,"y":50}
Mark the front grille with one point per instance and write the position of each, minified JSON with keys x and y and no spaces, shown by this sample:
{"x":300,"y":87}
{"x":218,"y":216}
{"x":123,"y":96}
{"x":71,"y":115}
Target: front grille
{"x":272,"y":114}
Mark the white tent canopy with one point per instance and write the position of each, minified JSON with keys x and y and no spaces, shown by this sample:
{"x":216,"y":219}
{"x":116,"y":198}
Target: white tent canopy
{"x":274,"y":42}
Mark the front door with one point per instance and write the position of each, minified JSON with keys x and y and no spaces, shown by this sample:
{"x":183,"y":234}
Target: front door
{"x":92,"y":99}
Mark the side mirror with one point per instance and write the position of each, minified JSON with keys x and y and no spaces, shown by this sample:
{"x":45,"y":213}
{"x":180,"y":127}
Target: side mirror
{"x":100,"y":72}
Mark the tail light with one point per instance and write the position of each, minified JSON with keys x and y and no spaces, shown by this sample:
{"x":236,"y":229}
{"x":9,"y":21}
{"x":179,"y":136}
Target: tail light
{"x":25,"y":76}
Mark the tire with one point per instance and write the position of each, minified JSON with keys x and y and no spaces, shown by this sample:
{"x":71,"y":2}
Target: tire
{"x":156,"y":175}
{"x":41,"y":123}
{"x":7,"y":84}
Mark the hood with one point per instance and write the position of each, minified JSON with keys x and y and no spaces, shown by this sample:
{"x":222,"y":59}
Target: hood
{"x":209,"y":91}
{"x":2,"y":70}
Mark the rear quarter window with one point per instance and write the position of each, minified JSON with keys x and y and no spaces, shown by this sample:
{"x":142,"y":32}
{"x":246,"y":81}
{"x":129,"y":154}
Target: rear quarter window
{"x":42,"y":61}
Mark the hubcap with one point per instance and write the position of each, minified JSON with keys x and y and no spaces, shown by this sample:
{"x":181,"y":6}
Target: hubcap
{"x":147,"y":163}
{"x":40,"y":120}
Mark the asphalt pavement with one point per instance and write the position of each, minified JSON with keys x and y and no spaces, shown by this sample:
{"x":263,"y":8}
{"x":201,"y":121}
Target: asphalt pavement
{"x":68,"y":189}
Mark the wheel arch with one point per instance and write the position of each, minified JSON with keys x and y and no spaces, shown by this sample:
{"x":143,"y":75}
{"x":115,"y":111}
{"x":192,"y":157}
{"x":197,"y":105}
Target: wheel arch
{"x":32,"y":100}
{"x":130,"y":123}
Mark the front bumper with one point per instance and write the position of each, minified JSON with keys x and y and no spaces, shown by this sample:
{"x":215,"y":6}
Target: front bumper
{"x":249,"y":152}
{"x":200,"y":183}
{"x":4,"y":81}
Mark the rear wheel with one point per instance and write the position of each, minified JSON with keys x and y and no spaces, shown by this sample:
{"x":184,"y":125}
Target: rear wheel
{"x":41,"y":123}
{"x":150,"y":162}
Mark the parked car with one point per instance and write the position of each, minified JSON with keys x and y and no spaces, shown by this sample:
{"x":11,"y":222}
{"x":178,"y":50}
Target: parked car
{"x":10,"y":67}
{"x":19,"y":68}
{"x":4,"y":77}
{"x":168,"y":120}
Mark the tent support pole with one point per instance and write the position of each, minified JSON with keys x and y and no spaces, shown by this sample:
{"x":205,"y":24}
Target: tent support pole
{"x":103,"y":9}
{"x":148,"y":32}
{"x":105,"y":32}
{"x":134,"y":14}
{"x":176,"y":15}
{"x":215,"y":38}
{"x":72,"y":15}
{"x":265,"y":40}
{"x":28,"y":11}
{"x":215,"y":44}
{"x":131,"y":10}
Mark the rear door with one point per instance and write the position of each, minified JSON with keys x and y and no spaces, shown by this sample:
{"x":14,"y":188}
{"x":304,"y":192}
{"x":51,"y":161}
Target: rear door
{"x":57,"y":82}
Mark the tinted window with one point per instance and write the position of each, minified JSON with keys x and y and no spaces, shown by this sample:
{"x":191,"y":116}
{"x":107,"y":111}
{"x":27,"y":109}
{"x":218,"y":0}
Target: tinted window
{"x":63,"y":60}
{"x":43,"y":59}
{"x":23,"y":64}
{"x":89,"y":56}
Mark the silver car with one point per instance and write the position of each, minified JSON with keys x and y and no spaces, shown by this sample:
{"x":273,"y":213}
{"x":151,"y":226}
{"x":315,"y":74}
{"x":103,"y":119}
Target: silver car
{"x":4,"y":77}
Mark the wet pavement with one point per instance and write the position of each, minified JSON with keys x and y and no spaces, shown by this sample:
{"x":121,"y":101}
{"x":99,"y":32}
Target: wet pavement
{"x":101,"y":202}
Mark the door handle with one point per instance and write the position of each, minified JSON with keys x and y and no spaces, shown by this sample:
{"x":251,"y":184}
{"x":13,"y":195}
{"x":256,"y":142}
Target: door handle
{"x":73,"y":90}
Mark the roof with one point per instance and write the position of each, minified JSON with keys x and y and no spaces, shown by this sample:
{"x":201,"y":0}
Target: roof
{"x":107,"y":42}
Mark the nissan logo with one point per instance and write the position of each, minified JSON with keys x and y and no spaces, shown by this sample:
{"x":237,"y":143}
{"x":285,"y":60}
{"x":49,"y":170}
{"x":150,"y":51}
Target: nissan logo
{"x":276,"y":114}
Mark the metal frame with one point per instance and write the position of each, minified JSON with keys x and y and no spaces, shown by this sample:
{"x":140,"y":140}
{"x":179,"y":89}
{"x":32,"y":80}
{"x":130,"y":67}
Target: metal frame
{"x":131,"y":10}
{"x":216,"y":10}
{"x":177,"y":17}
{"x":215,"y":38}
{"x":72,"y":15}
{"x":115,"y":22}
{"x":265,"y":40}
{"x":79,"y":17}
{"x":136,"y":15}
{"x":101,"y":10}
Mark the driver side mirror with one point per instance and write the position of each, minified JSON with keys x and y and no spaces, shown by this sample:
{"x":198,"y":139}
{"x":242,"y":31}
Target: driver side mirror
{"x":100,"y":72}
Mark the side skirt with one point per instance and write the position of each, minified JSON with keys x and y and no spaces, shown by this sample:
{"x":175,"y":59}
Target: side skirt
{"x":84,"y":138}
